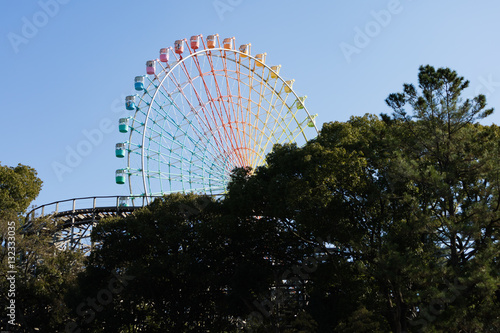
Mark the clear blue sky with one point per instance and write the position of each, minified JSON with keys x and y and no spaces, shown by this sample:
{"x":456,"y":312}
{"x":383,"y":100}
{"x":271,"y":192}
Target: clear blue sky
{"x":67,"y":64}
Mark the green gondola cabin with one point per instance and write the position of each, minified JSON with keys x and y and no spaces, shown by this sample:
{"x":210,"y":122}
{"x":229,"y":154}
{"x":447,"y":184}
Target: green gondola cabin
{"x":120,"y":176}
{"x":123,"y":125}
{"x":120,"y":150}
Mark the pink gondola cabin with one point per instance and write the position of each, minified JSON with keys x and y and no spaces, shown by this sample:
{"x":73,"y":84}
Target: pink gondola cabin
{"x":151,"y":67}
{"x":164,"y":55}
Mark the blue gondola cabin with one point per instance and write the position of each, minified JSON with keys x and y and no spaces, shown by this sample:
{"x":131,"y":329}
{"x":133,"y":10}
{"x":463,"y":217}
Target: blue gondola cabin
{"x":130,"y":103}
{"x":139,"y":83}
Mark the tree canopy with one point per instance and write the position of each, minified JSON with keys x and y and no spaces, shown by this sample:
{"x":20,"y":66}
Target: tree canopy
{"x":43,"y":275}
{"x":19,"y":186}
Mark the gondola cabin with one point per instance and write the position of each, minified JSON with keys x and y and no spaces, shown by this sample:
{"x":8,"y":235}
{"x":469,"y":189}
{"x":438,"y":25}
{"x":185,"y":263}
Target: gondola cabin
{"x":288,"y":86}
{"x":261,"y":59}
{"x":164,"y":55}
{"x":300,"y":102}
{"x":139,"y":83}
{"x":123,"y":126}
{"x":120,"y":176}
{"x":228,"y":43}
{"x":130,"y":103}
{"x":312,"y":122}
{"x":123,"y":202}
{"x":151,"y":67}
{"x":120,"y":150}
{"x":245,"y":50}
{"x":195,"y":42}
{"x":275,"y":70}
{"x":179,"y":46}
{"x":211,"y":41}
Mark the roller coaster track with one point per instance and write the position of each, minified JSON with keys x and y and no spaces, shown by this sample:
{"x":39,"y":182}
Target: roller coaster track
{"x":76,"y":217}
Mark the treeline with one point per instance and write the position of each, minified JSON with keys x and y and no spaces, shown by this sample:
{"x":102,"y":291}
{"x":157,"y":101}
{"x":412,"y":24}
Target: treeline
{"x":380,"y":224}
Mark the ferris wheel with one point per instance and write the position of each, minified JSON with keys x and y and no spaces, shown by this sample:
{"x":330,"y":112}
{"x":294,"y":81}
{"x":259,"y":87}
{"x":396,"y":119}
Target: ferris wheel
{"x":203,"y":109}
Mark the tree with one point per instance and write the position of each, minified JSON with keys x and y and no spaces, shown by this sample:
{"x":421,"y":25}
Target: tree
{"x":410,"y":203}
{"x":454,"y":168}
{"x":187,"y":268}
{"x":189,"y":264}
{"x":19,"y":186}
{"x":43,"y":275}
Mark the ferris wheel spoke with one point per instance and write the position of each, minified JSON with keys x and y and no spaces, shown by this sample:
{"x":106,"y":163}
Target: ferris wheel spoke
{"x":202,"y":105}
{"x":269,"y":116}
{"x":200,"y":135}
{"x":229,"y":145}
{"x":199,"y":116}
{"x":177,"y":160}
{"x":232,"y":113}
{"x":244,"y":127}
{"x":230,"y":134}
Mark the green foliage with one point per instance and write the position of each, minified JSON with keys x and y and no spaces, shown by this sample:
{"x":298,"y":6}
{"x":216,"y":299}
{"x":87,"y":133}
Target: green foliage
{"x":191,"y":268}
{"x":18,"y":187}
{"x":362,"y":321}
{"x":411,"y":203}
{"x":43,"y":274}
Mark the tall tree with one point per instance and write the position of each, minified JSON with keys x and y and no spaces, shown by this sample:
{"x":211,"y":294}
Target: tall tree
{"x":410,"y":203}
{"x":43,"y":274}
{"x":18,"y":187}
{"x":452,"y":162}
